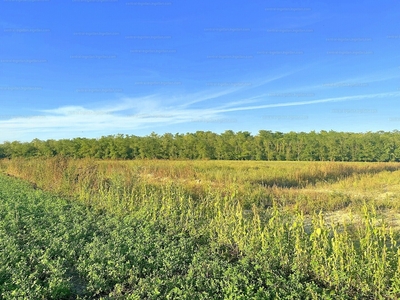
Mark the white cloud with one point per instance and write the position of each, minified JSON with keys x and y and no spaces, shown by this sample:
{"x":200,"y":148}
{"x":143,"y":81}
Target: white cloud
{"x":138,"y":113}
{"x":298,"y":103}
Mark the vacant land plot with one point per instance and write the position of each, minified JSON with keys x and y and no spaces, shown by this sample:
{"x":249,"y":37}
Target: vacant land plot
{"x":198,"y":229}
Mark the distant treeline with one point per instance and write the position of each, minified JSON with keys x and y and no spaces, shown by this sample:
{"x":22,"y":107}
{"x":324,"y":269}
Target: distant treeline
{"x":266,"y":145}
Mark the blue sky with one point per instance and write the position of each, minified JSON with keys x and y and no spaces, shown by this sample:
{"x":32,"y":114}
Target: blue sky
{"x":90,"y":68}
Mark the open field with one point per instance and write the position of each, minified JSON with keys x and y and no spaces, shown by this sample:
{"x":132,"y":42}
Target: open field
{"x":148,"y":229}
{"x":298,"y":186}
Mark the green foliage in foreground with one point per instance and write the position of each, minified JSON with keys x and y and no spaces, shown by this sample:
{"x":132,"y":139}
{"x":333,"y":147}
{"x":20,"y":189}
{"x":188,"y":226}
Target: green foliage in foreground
{"x":177,"y":248}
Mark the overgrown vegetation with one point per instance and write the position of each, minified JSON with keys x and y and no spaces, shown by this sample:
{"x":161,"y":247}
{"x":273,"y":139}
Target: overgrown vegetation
{"x":198,"y":229}
{"x":266,"y":145}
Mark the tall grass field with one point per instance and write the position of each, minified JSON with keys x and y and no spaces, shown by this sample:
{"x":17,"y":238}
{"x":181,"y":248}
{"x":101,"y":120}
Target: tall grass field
{"x":158,"y":229}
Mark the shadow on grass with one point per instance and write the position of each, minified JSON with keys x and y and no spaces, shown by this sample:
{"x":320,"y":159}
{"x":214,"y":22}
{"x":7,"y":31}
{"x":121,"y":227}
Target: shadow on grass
{"x":330,"y":174}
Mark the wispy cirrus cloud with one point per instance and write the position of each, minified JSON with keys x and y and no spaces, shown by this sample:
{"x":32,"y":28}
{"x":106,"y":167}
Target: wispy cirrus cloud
{"x":129,"y":114}
{"x":236,"y":87}
{"x":299,"y":103}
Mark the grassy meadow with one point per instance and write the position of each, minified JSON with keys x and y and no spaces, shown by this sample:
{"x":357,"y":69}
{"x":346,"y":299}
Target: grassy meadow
{"x":162,"y":229}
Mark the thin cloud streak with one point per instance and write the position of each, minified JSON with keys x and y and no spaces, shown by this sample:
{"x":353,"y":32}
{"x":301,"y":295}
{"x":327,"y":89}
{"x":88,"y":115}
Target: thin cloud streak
{"x":74,"y":119}
{"x":202,"y":98}
{"x":298,"y":103}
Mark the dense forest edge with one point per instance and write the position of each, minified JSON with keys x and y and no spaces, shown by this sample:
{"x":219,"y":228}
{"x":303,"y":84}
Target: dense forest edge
{"x":378,"y":146}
